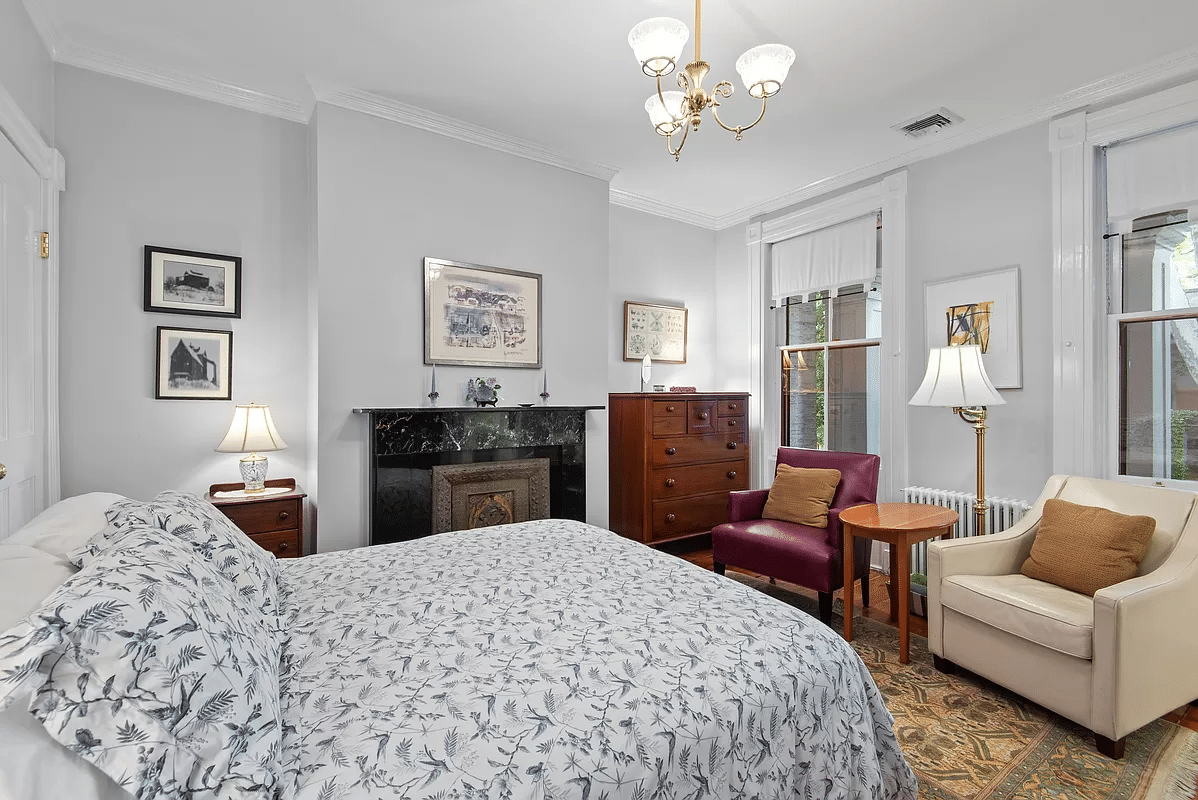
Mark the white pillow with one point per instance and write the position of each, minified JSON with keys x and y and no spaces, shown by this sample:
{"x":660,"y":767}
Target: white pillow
{"x":33,"y":765}
{"x":27,"y":576}
{"x":67,"y":525}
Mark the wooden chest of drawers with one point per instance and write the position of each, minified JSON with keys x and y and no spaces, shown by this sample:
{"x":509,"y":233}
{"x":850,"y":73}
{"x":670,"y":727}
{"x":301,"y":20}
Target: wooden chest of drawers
{"x":275,"y":522}
{"x":673,"y":458}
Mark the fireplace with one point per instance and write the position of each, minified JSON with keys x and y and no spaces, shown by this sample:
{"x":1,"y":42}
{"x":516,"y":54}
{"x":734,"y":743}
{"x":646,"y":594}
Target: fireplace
{"x":408,"y":445}
{"x":469,"y":496}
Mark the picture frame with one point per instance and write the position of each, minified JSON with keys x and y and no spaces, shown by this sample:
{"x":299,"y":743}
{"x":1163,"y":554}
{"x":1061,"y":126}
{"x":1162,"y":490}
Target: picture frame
{"x":193,"y":364}
{"x":982,"y":308}
{"x":476,"y":315}
{"x":655,"y":330}
{"x":191,"y":282}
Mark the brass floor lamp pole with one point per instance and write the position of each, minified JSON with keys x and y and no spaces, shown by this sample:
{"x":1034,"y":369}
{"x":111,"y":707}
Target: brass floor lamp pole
{"x":976,"y":416}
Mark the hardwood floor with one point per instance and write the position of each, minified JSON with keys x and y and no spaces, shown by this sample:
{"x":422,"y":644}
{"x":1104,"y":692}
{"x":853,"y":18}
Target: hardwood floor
{"x":698,"y":551}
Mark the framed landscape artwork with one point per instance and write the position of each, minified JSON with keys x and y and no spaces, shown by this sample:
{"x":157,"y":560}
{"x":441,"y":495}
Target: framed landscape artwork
{"x":980,"y":309}
{"x":187,"y":282}
{"x":656,"y":331}
{"x":481,"y":316}
{"x":193,"y":364}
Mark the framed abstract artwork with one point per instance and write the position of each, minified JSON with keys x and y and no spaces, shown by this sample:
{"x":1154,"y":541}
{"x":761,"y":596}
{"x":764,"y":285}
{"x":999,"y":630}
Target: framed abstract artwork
{"x":193,"y":364}
{"x":188,"y":282}
{"x":981,"y":309}
{"x":481,"y":316}
{"x":656,"y":331}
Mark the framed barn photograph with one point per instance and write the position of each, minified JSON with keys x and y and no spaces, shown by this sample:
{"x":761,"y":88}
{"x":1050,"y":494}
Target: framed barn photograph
{"x":481,"y":316}
{"x":187,"y":282}
{"x":656,"y":331}
{"x":193,"y":364}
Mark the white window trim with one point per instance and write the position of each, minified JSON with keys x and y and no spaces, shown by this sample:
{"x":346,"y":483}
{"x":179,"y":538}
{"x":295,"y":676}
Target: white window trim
{"x":888,"y":196}
{"x":1083,"y":396}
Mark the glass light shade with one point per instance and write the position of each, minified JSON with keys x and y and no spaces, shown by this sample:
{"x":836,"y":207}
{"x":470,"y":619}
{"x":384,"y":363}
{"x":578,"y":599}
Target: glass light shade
{"x":665,"y":119}
{"x":764,"y":68}
{"x":657,"y":44}
{"x":252,"y":431}
{"x":956,"y":378}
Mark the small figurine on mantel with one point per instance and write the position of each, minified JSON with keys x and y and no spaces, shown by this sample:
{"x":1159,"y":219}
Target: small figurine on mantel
{"x":483,"y":391}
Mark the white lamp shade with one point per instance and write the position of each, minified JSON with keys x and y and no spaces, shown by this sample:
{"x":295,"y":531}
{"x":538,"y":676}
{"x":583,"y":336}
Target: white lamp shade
{"x":665,"y":118}
{"x":764,"y":68}
{"x":657,"y":44}
{"x":252,"y":431}
{"x":956,"y":378}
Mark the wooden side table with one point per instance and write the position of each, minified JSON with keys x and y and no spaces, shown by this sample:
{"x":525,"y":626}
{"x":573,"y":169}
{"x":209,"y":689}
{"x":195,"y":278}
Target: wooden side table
{"x":274,"y":521}
{"x":901,"y":525}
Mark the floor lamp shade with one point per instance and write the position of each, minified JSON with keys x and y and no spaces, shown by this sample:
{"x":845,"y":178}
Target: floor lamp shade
{"x":252,"y":431}
{"x":956,"y":378}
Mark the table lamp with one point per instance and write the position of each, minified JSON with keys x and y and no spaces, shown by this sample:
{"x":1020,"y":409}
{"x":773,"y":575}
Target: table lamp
{"x":956,"y":379}
{"x":252,"y":431}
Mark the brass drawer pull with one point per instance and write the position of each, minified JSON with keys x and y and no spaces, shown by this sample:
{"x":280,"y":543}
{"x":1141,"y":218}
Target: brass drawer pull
{"x":731,"y":445}
{"x":670,"y":482}
{"x":732,"y":474}
{"x":671,"y":451}
{"x":670,"y":518}
{"x":703,"y":415}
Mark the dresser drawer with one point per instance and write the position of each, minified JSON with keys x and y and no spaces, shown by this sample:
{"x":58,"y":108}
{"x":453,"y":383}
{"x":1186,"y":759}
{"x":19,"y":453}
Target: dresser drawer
{"x":729,"y":424}
{"x":669,"y":408}
{"x":669,"y":426}
{"x":701,"y":417}
{"x":689,"y":449}
{"x":670,"y":482}
{"x":688,"y":515}
{"x":262,"y":516}
{"x":730,"y":408}
{"x":284,"y":544}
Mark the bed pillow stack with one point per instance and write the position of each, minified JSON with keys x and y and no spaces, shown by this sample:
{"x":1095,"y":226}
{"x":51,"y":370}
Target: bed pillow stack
{"x":147,"y":664}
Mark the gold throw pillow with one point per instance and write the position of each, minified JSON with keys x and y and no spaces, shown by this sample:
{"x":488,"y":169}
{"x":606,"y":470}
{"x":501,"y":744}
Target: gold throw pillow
{"x":802,"y":496}
{"x":1085,"y":548}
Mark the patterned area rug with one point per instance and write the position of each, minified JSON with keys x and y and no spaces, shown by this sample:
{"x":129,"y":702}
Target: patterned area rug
{"x":969,"y":739}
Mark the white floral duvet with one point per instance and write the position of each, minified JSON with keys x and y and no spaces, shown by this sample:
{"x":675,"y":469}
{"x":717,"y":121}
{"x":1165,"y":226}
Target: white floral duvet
{"x":553,"y":659}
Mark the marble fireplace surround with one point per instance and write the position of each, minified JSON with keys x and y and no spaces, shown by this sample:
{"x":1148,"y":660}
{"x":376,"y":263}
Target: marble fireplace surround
{"x":406,"y":443}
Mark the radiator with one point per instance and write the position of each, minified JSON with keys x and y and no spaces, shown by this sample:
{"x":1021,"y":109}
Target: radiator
{"x":1001,"y":513}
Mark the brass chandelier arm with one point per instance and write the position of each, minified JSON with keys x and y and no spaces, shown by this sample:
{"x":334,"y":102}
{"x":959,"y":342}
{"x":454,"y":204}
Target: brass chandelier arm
{"x":662,"y":99}
{"x":676,"y":152}
{"x":724,"y":89}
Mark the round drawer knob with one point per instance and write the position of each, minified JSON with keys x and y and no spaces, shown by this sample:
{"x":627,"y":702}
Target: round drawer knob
{"x":732,"y":423}
{"x":703,"y":415}
{"x":731,"y":445}
{"x":670,"y":517}
{"x":669,"y":409}
{"x":671,"y":451}
{"x":283,"y":515}
{"x":284,"y":547}
{"x":732,"y":406}
{"x":670,"y":483}
{"x":731,"y":474}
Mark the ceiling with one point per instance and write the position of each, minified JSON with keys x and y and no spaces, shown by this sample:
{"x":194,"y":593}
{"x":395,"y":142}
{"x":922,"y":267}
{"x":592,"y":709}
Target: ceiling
{"x":560,"y":73}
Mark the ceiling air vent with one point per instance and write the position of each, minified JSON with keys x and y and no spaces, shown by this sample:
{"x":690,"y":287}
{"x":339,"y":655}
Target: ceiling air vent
{"x":932,"y":122}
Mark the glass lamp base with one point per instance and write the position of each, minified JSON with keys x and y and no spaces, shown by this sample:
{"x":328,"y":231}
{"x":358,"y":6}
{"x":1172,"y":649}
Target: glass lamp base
{"x":253,"y":472}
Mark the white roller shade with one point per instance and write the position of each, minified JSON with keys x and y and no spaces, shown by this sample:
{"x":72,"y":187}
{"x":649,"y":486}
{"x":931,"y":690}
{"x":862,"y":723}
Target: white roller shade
{"x":1153,"y":174}
{"x":841,"y":255}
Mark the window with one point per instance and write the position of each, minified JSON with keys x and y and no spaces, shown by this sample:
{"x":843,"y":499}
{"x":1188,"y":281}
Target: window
{"x":831,"y":370}
{"x":1153,"y":318}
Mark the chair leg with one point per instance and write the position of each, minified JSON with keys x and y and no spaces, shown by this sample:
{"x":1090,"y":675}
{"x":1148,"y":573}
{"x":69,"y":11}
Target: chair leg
{"x":718,"y":567}
{"x":825,"y":608}
{"x":865,"y":591}
{"x":1111,"y":748}
{"x":944,"y":665}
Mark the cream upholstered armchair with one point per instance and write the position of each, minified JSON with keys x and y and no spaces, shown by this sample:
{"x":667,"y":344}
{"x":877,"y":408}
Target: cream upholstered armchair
{"x":1112,"y":663}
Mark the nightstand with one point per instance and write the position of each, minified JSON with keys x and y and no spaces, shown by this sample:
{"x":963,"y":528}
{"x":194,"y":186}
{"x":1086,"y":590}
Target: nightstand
{"x":274,"y":521}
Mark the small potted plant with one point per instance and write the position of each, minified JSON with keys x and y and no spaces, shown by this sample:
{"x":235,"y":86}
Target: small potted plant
{"x":919,"y":594}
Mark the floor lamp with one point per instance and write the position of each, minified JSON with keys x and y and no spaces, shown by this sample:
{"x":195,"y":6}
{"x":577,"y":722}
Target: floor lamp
{"x":956,"y":379}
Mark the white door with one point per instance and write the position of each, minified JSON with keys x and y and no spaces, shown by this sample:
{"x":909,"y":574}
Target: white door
{"x":22,"y":342}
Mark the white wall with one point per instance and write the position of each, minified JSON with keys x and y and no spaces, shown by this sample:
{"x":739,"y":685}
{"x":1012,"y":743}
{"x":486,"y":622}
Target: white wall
{"x":389,"y":195}
{"x":659,"y":260}
{"x":26,"y":70}
{"x":733,"y":332}
{"x":147,"y":166}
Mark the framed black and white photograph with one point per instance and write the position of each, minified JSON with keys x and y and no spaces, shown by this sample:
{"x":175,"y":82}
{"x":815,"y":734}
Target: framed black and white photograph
{"x":481,"y":316}
{"x":193,"y":364}
{"x":188,"y":282}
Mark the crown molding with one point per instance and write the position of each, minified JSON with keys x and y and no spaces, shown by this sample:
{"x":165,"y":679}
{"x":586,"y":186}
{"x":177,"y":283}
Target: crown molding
{"x":97,"y":60}
{"x":657,"y":208}
{"x":394,"y":111}
{"x":46,"y":24}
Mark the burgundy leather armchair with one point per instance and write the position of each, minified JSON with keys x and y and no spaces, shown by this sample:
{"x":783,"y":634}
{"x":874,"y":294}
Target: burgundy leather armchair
{"x":810,"y":557}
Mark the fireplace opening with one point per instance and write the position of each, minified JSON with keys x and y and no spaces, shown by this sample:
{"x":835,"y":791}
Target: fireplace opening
{"x":467,"y":496}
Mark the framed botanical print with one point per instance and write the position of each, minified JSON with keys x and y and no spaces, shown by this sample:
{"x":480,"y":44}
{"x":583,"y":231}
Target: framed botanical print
{"x":193,"y":364}
{"x":656,"y":331}
{"x":188,"y":282}
{"x":481,"y":316}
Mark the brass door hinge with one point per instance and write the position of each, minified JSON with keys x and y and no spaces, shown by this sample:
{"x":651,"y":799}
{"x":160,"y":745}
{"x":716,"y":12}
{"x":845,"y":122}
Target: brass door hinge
{"x":45,"y":240}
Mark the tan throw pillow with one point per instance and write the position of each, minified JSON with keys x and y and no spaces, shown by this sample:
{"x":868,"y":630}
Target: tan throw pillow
{"x":1085,"y":549}
{"x":802,"y":496}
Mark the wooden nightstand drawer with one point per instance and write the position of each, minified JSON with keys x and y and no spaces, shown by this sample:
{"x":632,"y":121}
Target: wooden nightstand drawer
{"x":284,"y":544}
{"x":263,"y":516}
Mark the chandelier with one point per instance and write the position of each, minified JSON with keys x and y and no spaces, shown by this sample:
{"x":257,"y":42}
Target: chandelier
{"x":657,"y":44}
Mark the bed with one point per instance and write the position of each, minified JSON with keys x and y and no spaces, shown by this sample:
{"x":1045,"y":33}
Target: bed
{"x":548,"y":659}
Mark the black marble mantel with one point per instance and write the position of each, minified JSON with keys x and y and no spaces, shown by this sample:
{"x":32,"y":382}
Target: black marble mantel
{"x":406,"y":443}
